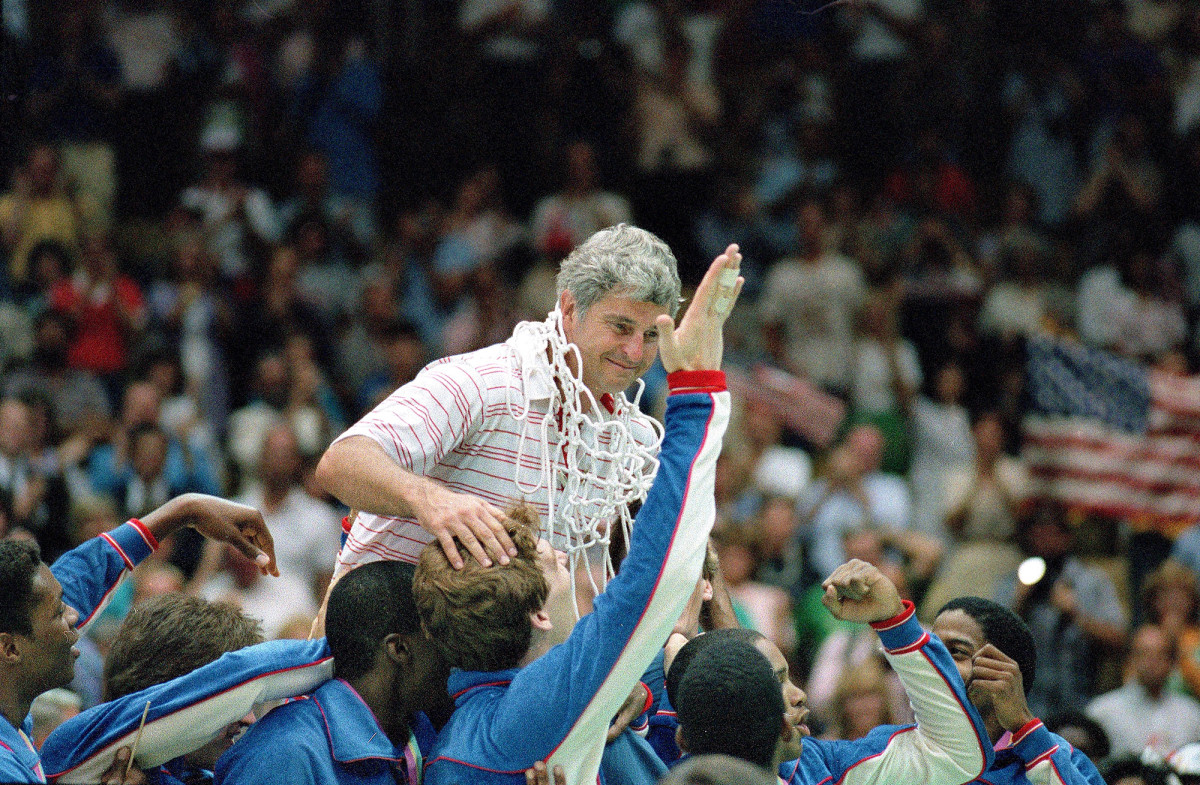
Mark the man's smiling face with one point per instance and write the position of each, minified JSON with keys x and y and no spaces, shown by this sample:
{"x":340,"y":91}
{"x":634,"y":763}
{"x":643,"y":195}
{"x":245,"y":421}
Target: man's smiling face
{"x":617,"y":339}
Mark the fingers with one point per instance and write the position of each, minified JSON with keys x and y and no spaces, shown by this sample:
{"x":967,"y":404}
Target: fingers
{"x":668,"y":345}
{"x":489,"y":529}
{"x":449,"y":547}
{"x":261,"y":538}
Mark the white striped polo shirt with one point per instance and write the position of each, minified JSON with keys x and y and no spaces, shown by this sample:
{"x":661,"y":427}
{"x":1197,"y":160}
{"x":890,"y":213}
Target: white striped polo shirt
{"x":454,"y":423}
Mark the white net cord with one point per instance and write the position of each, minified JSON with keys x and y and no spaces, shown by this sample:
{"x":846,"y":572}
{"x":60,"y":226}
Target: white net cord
{"x":591,"y":465}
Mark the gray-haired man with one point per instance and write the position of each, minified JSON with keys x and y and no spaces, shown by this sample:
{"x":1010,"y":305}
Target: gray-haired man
{"x":540,"y":418}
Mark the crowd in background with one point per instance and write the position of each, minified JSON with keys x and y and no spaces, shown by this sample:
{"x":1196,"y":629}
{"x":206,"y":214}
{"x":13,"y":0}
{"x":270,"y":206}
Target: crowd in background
{"x":228,"y":229}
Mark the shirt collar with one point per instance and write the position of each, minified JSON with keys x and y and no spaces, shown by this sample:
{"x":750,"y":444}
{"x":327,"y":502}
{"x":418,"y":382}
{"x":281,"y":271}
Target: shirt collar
{"x":536,"y":375}
{"x":354,"y":732}
{"x":462,"y":684}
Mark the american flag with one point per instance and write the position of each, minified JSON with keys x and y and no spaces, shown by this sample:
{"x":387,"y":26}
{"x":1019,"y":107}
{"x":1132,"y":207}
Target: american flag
{"x":1109,"y":435}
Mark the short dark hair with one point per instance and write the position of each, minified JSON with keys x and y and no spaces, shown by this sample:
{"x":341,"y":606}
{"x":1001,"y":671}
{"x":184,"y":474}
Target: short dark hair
{"x":1002,"y":628}
{"x":183,"y":632}
{"x":19,"y":563}
{"x":368,"y":604}
{"x":730,"y":703}
{"x":684,"y":657}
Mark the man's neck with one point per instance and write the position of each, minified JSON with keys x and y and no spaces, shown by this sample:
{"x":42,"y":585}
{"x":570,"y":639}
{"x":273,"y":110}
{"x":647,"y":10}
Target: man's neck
{"x":13,"y":706}
{"x":377,"y":691}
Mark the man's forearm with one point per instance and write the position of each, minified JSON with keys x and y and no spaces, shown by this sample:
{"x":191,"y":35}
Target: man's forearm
{"x":363,"y":477}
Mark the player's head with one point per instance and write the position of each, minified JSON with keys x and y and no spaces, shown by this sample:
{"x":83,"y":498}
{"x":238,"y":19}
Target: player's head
{"x":37,"y":629}
{"x":169,"y":636}
{"x":790,"y":734}
{"x":729,"y":702}
{"x":611,"y":289}
{"x":373,"y":628}
{"x":495,"y":618}
{"x":967,"y":624}
{"x":718,"y":770}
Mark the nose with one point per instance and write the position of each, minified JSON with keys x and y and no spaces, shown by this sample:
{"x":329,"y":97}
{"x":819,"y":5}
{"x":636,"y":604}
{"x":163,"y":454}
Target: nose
{"x":797,"y":698}
{"x":635,"y":347}
{"x":561,"y":556}
{"x":72,"y":616}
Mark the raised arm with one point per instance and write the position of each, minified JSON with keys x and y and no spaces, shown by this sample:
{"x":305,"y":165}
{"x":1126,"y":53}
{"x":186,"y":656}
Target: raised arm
{"x":90,"y":572}
{"x":949,"y":744}
{"x":185,"y":713}
{"x":611,"y":648}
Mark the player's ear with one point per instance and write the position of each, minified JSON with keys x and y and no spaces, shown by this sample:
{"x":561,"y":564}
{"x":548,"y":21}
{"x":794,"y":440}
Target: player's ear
{"x":541,"y":621}
{"x":10,"y":649}
{"x":680,"y":741}
{"x":397,"y":649}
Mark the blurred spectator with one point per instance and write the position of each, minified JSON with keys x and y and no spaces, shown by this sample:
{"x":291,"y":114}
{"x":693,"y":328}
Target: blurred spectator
{"x":931,"y":181}
{"x":337,"y":102}
{"x":324,"y":277}
{"x":74,"y":94}
{"x":510,"y":37}
{"x":852,"y":494}
{"x":32,"y":500}
{"x":1044,"y":103}
{"x":673,"y":117}
{"x":983,"y":500}
{"x":41,"y":206}
{"x":193,"y":312}
{"x":1082,"y":732}
{"x":406,"y":265}
{"x":271,"y":601}
{"x":734,"y":211}
{"x":1072,"y":610}
{"x":238,"y":219}
{"x":886,"y":375}
{"x":803,"y":165}
{"x":1018,"y":305}
{"x":808,"y":306}
{"x":479,"y":231}
{"x":403,"y":356}
{"x":861,"y":702}
{"x":107,"y":309}
{"x":1127,"y":306}
{"x":942,"y":446}
{"x":50,"y":263}
{"x":1171,"y":600}
{"x":76,"y":396}
{"x":1143,"y":713}
{"x":781,"y":562}
{"x":578,"y":210}
{"x":350,"y":222}
{"x":1122,"y":190}
{"x":142,"y":465}
{"x":307,"y":531}
{"x":51,"y":709}
{"x":759,"y":606}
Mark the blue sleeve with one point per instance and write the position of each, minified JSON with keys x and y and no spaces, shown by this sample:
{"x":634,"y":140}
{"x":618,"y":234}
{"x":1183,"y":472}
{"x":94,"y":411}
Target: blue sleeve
{"x":90,"y":572}
{"x":590,"y":675}
{"x":276,"y":751}
{"x":185,"y":713}
{"x":655,"y":680}
{"x":1049,"y":758}
{"x":11,"y":769}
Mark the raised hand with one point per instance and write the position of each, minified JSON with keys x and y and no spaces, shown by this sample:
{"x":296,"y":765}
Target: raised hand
{"x":858,"y":591}
{"x":697,"y":344}
{"x":540,"y":775}
{"x":218,"y":519}
{"x":996,"y":680}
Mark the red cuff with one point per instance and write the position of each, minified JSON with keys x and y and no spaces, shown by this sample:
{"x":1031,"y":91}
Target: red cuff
{"x":147,"y":535}
{"x":1025,"y":730}
{"x":649,"y":697}
{"x":346,"y":525}
{"x":696,"y":381}
{"x":901,"y":617}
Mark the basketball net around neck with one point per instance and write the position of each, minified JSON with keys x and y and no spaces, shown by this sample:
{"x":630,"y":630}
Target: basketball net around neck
{"x":603,"y":468}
